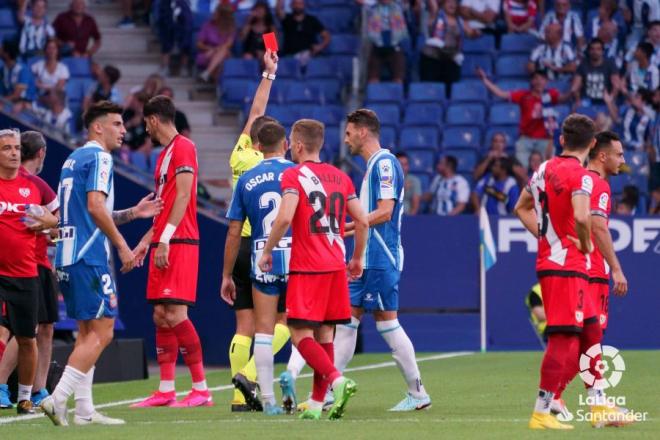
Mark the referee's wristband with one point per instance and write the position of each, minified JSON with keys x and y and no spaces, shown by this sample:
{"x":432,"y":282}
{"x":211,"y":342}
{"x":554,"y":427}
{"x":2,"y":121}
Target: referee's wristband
{"x":270,"y":76}
{"x":167,"y":234}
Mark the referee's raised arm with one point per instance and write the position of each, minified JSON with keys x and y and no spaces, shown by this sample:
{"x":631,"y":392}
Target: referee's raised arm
{"x":262,"y":94}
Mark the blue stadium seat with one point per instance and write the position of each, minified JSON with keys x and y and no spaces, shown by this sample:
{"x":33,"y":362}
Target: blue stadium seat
{"x":512,"y":66}
{"x":330,"y":115}
{"x":590,"y":111}
{"x":423,"y":114}
{"x":469,"y":91}
{"x":467,"y":158}
{"x":78,"y":67}
{"x":462,"y":137}
{"x":288,"y":67}
{"x":466,"y":114}
{"x":234,"y":92}
{"x":303,"y":93}
{"x":510,"y":133}
{"x":563,"y":85}
{"x":472,"y":61}
{"x":240,"y":68}
{"x":76,"y":89}
{"x":421,"y":161}
{"x":329,"y":88}
{"x":504,"y":114}
{"x":337,"y":19}
{"x":637,"y":161}
{"x":285,"y":114}
{"x":483,"y":44}
{"x":344,"y":44}
{"x":278,"y":91}
{"x":332,"y":139}
{"x":388,"y":137}
{"x":385,"y":92}
{"x":562,"y":112}
{"x":427,"y":92}
{"x":139,"y":161}
{"x":33,"y":60}
{"x":8,"y":34}
{"x":618,"y":182}
{"x":343,"y":66}
{"x":199,"y":18}
{"x":388,"y":114}
{"x":320,"y":67}
{"x":418,"y":137}
{"x":518,"y":43}
{"x":513,"y":84}
{"x":7,"y":18}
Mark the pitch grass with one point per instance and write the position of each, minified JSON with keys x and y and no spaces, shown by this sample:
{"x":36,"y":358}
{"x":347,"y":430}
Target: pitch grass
{"x":475,"y":396}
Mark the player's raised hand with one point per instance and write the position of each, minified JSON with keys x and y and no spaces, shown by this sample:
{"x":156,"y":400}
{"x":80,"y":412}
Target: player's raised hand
{"x":354,"y":269}
{"x":127,"y":258}
{"x":161,"y":256}
{"x":620,"y":282}
{"x":148,"y":207}
{"x":266,"y":262}
{"x":140,"y":253}
{"x":38,"y":223}
{"x":228,"y":290}
{"x":578,"y":244}
{"x":270,"y":61}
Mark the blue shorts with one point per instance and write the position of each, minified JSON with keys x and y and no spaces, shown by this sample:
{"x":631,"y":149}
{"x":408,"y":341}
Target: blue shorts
{"x":377,"y":289}
{"x":89,"y":291}
{"x":274,"y":287}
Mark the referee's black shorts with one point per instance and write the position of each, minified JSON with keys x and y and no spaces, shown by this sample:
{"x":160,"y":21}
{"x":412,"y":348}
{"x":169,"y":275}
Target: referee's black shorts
{"x":19,"y":305}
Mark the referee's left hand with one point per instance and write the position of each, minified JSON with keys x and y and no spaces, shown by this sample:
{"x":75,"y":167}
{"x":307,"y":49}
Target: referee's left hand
{"x":161,"y":256}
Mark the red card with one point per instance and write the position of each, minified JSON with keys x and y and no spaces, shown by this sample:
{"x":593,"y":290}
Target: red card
{"x":270,"y":41}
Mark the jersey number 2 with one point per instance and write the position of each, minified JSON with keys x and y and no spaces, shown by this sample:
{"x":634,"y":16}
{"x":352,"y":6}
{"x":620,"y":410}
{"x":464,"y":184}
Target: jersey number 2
{"x":265,"y":201}
{"x":335,"y":210}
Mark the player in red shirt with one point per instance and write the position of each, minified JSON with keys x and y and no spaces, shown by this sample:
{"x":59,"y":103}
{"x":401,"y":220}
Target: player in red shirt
{"x":19,"y":277}
{"x":556,"y":208}
{"x":174,"y":260}
{"x":315,"y":199}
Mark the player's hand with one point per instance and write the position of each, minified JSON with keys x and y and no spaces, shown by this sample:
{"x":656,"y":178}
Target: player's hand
{"x":349,"y":233}
{"x":228,"y":290}
{"x":148,"y":207}
{"x":43,"y":222}
{"x":270,"y":61}
{"x":127,"y":259}
{"x":578,"y":244}
{"x":354,"y":269}
{"x":620,"y":282}
{"x":140,"y":253}
{"x":349,"y":227}
{"x":161,"y":256}
{"x":266,"y":262}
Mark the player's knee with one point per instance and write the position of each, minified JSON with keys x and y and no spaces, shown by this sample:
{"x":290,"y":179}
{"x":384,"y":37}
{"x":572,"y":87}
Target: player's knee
{"x":45,"y":332}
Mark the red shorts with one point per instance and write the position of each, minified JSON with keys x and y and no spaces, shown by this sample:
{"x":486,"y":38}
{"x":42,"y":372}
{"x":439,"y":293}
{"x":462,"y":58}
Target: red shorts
{"x":178,"y":283}
{"x":567,"y":303}
{"x":313,"y":299}
{"x":600,"y":296}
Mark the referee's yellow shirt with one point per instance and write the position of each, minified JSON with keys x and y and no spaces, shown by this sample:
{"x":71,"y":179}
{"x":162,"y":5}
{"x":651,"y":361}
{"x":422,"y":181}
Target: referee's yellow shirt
{"x":242,"y":159}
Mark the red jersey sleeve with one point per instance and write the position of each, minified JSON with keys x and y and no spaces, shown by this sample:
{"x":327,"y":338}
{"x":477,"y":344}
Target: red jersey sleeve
{"x":600,"y":200}
{"x":185,"y":158}
{"x":581,"y":183}
{"x":290,"y":183}
{"x":516,"y":96}
{"x":350,"y":189}
{"x":554,"y":95}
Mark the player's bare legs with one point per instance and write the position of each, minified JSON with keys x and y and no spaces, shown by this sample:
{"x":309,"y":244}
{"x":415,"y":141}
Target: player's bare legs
{"x":265,"y":311}
{"x":45,"y":352}
{"x":27,"y":366}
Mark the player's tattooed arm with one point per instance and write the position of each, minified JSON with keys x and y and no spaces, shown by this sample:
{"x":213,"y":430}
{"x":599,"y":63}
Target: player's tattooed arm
{"x":148,"y":207}
{"x":123,"y":216}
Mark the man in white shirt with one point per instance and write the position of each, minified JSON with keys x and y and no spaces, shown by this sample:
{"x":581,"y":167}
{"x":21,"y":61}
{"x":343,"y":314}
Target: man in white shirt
{"x":449,"y":192}
{"x":482,"y":14}
{"x":572,"y":29}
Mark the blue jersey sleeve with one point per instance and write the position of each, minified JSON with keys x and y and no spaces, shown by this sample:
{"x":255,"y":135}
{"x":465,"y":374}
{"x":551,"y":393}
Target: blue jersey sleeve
{"x":479,"y":189}
{"x":100,"y":173}
{"x":385,"y":187}
{"x":514,"y":194}
{"x":236,"y":208}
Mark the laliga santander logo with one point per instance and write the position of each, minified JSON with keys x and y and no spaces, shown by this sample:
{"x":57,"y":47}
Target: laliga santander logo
{"x":610,"y":366}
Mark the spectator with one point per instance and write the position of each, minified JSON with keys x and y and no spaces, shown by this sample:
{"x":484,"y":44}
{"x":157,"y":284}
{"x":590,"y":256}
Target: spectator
{"x":136,"y":137}
{"x":482,"y":14}
{"x":58,"y":114}
{"x":258,"y":23}
{"x":449,"y":192}
{"x":386,"y":28}
{"x":36,"y":31}
{"x":498,"y":151}
{"x":412,"y":186}
{"x":50,"y":73}
{"x":175,"y":29}
{"x":304,"y":35}
{"x":629,"y":200}
{"x":538,"y":118}
{"x":534,"y":163}
{"x":75,"y":29}
{"x":497,"y":191}
{"x":149,"y":88}
{"x":654,"y":39}
{"x":570,"y":22}
{"x":17,"y":80}
{"x":653,"y":148}
{"x":519,"y":15}
{"x":104,"y":88}
{"x":635,"y":120}
{"x":126,"y":21}
{"x":608,"y":34}
{"x":180,"y":119}
{"x":442,"y":55}
{"x":595,"y":76}
{"x":606,"y":11}
{"x":643,"y":13}
{"x":641,"y":73}
{"x":215,"y":41}
{"x":554,"y":55}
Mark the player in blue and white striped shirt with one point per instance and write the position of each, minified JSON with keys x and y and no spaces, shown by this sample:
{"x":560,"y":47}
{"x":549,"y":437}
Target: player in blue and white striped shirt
{"x":382,"y":196}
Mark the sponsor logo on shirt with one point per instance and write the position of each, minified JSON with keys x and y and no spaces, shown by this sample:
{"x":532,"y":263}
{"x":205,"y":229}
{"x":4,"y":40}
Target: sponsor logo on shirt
{"x":25,"y":192}
{"x":587,"y":184}
{"x":17,"y":208}
{"x":602,"y":201}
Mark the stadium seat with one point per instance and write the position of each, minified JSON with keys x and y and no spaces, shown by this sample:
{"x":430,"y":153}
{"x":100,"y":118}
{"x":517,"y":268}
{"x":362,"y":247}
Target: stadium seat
{"x":139,"y":161}
{"x":285,"y":114}
{"x":618,"y":182}
{"x":153,"y":159}
{"x":278,"y":90}
{"x":199,"y":18}
{"x":518,"y":43}
{"x":337,"y":19}
{"x":320,"y":67}
{"x":7,"y":18}
{"x":513,"y":84}
{"x":418,"y":137}
{"x":332,"y":139}
{"x":427,"y":92}
{"x":637,"y":161}
{"x":8,"y":34}
{"x":329,"y":89}
{"x":78,"y":67}
{"x":466,"y":114}
{"x":330,"y":115}
{"x":384,"y":92}
{"x":424,"y":179}
{"x":76,"y":89}
{"x":467,"y":158}
{"x":504,"y":114}
{"x":234,"y":91}
{"x":483,"y":44}
{"x":472,"y":61}
{"x":469,"y":91}
{"x":303,"y":93}
{"x":563,"y":85}
{"x":423,"y":114}
{"x":512,"y":66}
{"x":288,"y":67}
{"x":462,"y":137}
{"x":388,"y":114}
{"x":421,"y":161}
{"x":562,"y":112}
{"x":510,"y":133}
{"x":240,"y":68}
{"x":588,"y":110}
{"x":344,"y":44}
{"x":343,"y":66}
{"x":388,"y":137}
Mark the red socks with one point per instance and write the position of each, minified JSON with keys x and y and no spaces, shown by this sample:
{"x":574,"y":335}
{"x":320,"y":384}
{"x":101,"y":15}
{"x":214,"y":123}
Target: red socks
{"x":190,"y":348}
{"x":320,"y":358}
{"x":167,"y":350}
{"x":562,"y":349}
{"x":591,"y":335}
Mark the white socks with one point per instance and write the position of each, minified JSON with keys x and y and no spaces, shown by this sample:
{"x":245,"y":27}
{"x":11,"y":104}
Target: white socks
{"x":199,"y":386}
{"x":296,"y":362}
{"x":403,"y":353}
{"x":345,"y":341}
{"x":83,"y":392}
{"x":543,"y":402}
{"x":166,"y":386}
{"x":67,"y":384}
{"x":263,"y":359}
{"x":24,"y":392}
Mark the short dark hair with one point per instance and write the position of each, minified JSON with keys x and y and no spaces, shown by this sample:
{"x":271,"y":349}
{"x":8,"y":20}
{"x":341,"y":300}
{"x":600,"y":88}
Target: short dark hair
{"x":539,"y":72}
{"x":161,"y":106}
{"x":32,"y":142}
{"x":100,"y":109}
{"x":401,"y":154}
{"x":597,"y":41}
{"x":505,"y":163}
{"x":647,"y":48}
{"x":578,"y":132}
{"x":310,"y":132}
{"x":654,"y":23}
{"x":271,"y":136}
{"x":364,"y":117}
{"x":10,"y":48}
{"x":257,"y":124}
{"x":604,"y":140}
{"x":112,"y":73}
{"x":452,"y":162}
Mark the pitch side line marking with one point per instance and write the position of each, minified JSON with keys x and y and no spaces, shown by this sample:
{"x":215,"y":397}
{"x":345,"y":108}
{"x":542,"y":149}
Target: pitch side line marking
{"x":7,"y":420}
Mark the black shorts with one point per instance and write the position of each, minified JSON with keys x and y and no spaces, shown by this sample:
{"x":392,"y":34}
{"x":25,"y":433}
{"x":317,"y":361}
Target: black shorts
{"x":49,"y":309}
{"x":241,"y":277}
{"x":19,"y":304}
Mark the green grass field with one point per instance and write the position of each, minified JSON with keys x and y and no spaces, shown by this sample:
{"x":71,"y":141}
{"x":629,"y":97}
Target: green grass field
{"x":474,"y":396}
